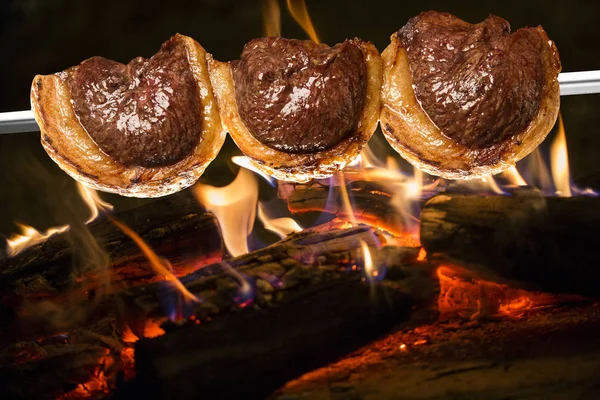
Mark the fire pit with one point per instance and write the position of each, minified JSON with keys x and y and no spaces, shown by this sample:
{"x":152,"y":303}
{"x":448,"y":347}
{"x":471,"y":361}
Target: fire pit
{"x":379,"y":282}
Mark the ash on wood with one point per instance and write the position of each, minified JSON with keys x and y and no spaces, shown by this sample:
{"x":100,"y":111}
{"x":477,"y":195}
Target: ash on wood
{"x":551,"y":242}
{"x":318,"y":315}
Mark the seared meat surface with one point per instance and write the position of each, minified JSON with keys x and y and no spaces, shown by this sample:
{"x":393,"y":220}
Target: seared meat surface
{"x":146,"y":113}
{"x":299,"y":96}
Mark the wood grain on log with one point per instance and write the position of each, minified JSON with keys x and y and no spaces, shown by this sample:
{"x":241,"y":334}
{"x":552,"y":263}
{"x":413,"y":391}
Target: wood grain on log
{"x":303,"y":259}
{"x":175,"y":227}
{"x":76,"y":270}
{"x":551,"y":242}
{"x":371,"y":202}
{"x":311,"y":305}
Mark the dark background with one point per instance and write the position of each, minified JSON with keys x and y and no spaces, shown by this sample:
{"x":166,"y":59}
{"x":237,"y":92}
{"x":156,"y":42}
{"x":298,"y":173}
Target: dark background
{"x":46,"y":36}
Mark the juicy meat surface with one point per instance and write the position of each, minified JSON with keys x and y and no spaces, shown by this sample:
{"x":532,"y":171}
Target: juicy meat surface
{"x":478,"y":83}
{"x":145,"y":113}
{"x":298,"y":96}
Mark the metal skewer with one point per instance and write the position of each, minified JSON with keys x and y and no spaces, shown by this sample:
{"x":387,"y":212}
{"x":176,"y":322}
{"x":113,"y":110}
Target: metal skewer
{"x":571,"y":83}
{"x":582,"y":82}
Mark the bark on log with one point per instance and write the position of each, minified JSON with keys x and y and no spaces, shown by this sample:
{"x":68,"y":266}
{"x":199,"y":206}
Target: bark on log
{"x":311,"y":306}
{"x":371,"y":202}
{"x":172,"y":226}
{"x":303,"y":259}
{"x":550,"y":242}
{"x":82,"y":266}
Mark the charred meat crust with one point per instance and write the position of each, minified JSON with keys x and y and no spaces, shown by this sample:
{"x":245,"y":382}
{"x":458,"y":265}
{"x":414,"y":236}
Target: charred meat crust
{"x":146,"y":113}
{"x":478,"y":83}
{"x":298,"y":96}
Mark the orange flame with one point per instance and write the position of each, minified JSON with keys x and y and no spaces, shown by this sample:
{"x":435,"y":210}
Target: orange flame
{"x":346,"y":204}
{"x":463,"y":293}
{"x":93,"y":201}
{"x":160,"y":265}
{"x":245,"y":162}
{"x":30,"y":236}
{"x":370,"y":271}
{"x":414,"y":188}
{"x":235,"y":208}
{"x":560,"y":162}
{"x":271,"y":14}
{"x":493,"y":185}
{"x":300,"y":14}
{"x":513,"y":176}
{"x":281,"y":226}
{"x":539,"y":171}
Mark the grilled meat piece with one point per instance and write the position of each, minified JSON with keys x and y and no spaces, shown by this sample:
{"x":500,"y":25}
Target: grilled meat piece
{"x":467,"y":100}
{"x":145,"y":129}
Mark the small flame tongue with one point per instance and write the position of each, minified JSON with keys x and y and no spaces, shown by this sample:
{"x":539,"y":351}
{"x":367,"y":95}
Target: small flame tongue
{"x":300,"y":13}
{"x":281,"y":226}
{"x":30,"y":236}
{"x":161,"y":266}
{"x":560,"y":162}
{"x":235,"y":208}
{"x":93,"y":201}
{"x":513,"y":177}
{"x":245,"y":162}
{"x":271,"y":14}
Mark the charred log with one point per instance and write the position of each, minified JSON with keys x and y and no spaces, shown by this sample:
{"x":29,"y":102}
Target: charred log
{"x":313,"y":302}
{"x":32,"y":371}
{"x":78,"y":268}
{"x":371,"y":202}
{"x":262,"y":277}
{"x":171,"y":226}
{"x":550,"y":242}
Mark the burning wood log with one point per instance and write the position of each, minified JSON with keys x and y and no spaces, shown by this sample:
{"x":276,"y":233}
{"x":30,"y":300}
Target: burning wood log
{"x":316,"y":295}
{"x":550,"y":242}
{"x":172,"y":226}
{"x":100,"y":258}
{"x":262,"y":277}
{"x":370,"y":202}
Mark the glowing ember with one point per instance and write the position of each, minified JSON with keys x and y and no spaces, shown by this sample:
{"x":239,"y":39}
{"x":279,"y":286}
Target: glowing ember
{"x":464,"y":294}
{"x":96,"y":386}
{"x":271,"y":15}
{"x":560,"y":162}
{"x":300,"y":13}
{"x":281,"y":226}
{"x":151,"y":329}
{"x":234,"y":207}
{"x":161,"y":266}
